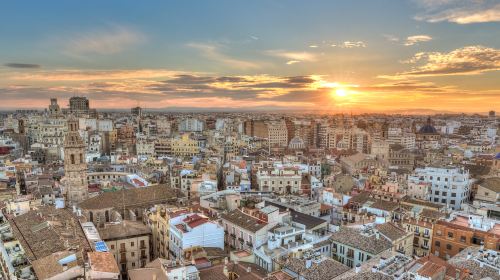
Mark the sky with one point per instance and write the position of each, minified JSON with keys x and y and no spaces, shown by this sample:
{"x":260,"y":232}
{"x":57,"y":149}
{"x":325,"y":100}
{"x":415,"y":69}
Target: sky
{"x":324,"y":56}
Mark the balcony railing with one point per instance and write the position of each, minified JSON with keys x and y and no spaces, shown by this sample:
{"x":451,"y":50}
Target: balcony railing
{"x":123,"y":250}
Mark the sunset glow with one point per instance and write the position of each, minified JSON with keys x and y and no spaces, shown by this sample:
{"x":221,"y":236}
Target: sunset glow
{"x":416,"y":61}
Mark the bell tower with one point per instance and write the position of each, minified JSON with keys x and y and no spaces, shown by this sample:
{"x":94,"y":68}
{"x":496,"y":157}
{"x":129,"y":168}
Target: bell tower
{"x":75,"y":165}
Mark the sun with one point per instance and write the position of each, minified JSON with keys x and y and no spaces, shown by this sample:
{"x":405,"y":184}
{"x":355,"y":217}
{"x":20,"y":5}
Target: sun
{"x":341,"y":92}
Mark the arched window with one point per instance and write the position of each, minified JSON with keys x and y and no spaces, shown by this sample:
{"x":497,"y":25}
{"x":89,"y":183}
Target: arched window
{"x":72,"y":159}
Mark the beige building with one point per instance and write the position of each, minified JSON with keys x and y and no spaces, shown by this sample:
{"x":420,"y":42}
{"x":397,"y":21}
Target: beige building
{"x":129,"y":242}
{"x":422,"y":231}
{"x":185,"y":146}
{"x":401,"y":240}
{"x":277,"y":134}
{"x":488,"y":192}
{"x":159,"y":221}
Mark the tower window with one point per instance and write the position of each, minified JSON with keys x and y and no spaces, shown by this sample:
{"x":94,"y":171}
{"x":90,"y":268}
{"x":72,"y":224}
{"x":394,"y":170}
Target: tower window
{"x":72,"y":159}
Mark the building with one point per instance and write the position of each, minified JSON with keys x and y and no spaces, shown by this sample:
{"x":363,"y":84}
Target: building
{"x":164,"y":269}
{"x":428,"y":137}
{"x":129,"y":242}
{"x":190,"y":231}
{"x":136,"y":111}
{"x":352,"y":247}
{"x":448,"y":185}
{"x":451,"y":236}
{"x":401,"y":239}
{"x":422,"y":230}
{"x":191,"y":125}
{"x":75,"y":165}
{"x":488,"y":192}
{"x":79,"y":105}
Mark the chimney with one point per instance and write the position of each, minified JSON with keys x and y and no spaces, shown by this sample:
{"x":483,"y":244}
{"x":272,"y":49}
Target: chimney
{"x":457,"y":274}
{"x":469,"y":255}
{"x":377,"y":235}
{"x":374,"y":268}
{"x":249,"y":269}
{"x":358,"y":268}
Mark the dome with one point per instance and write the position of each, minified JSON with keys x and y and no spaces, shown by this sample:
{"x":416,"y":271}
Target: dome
{"x":428,"y":128}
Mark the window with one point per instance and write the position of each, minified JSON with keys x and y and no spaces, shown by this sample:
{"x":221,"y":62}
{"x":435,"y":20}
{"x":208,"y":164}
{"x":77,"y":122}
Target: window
{"x":72,"y":159}
{"x":448,"y":246}
{"x":486,"y":194}
{"x":462,"y":239}
{"x":453,"y":194}
{"x":452,"y":201}
{"x":131,"y":244}
{"x":450,"y":234}
{"x":443,"y":200}
{"x":112,"y":246}
{"x":436,"y":192}
{"x":445,"y":193}
{"x":437,"y":244}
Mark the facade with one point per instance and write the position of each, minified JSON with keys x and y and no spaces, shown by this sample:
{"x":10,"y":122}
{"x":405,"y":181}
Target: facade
{"x":281,"y":181}
{"x":422,"y":230}
{"x":129,"y":242}
{"x":448,"y":185}
{"x":79,"y":105}
{"x":460,"y":231}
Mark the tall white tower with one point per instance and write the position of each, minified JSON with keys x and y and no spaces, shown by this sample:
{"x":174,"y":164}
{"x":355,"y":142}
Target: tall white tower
{"x":75,"y":165}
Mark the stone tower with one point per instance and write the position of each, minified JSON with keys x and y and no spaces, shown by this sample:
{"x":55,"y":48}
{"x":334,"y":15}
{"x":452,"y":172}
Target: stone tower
{"x":75,"y":166}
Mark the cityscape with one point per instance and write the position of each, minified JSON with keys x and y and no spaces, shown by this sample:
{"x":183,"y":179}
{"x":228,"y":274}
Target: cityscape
{"x":246,"y":140}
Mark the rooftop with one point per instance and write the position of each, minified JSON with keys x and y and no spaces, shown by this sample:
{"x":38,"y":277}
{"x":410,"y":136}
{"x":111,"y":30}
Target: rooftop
{"x":243,"y":220}
{"x":123,"y":230}
{"x":354,"y":238}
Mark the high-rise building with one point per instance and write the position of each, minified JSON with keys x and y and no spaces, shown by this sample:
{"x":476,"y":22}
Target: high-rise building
{"x":136,"y":111}
{"x":75,"y":165}
{"x":79,"y":105}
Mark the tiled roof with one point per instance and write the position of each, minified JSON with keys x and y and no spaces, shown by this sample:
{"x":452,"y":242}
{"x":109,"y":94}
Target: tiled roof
{"x":48,"y":230}
{"x":244,"y":221}
{"x":244,"y":270}
{"x":131,"y":197}
{"x":325,"y":269}
{"x":492,"y":184}
{"x":103,"y":262}
{"x":123,"y":230}
{"x":391,"y":231}
{"x":355,"y":239}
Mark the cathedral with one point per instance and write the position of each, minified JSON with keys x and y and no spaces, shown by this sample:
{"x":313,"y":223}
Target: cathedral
{"x":75,"y":165}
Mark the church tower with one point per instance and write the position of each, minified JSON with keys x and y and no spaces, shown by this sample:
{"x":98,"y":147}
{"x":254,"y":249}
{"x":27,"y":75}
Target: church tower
{"x":75,"y":166}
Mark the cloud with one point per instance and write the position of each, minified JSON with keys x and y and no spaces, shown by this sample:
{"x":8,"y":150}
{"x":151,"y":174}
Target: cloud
{"x":91,"y":75}
{"x":110,"y":40}
{"x":412,"y":40}
{"x":464,"y":61}
{"x":352,"y":44}
{"x":313,"y":46}
{"x":459,"y":11}
{"x":293,"y":57}
{"x":22,"y":65}
{"x":391,"y":38}
{"x":212,"y":52}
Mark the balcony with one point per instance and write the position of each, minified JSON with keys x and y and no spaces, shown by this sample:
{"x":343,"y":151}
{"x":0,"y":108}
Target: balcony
{"x":233,"y":235}
{"x":417,"y":233}
{"x":425,"y":246}
{"x":249,"y":244}
{"x":123,"y":260}
{"x":241,"y":239}
{"x":123,"y":250}
{"x":427,"y":235}
{"x":144,"y":257}
{"x":400,"y":250}
{"x":142,"y":246}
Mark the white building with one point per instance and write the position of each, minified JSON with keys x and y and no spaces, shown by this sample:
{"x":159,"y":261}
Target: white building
{"x":191,"y":125}
{"x":449,"y":185}
{"x":193,"y":230}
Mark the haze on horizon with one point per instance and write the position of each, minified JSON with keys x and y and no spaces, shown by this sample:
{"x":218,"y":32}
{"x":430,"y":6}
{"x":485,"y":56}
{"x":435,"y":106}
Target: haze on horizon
{"x":325,"y":56}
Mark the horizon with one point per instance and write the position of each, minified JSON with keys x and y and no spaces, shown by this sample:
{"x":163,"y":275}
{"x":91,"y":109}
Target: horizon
{"x":343,"y":56}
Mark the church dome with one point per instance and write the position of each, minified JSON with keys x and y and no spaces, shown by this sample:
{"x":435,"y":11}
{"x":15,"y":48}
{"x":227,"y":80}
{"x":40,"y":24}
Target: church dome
{"x":428,"y":128}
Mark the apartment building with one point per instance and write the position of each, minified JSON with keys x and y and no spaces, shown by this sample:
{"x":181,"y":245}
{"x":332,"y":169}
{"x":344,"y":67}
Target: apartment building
{"x":449,"y":185}
{"x":462,"y":230}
